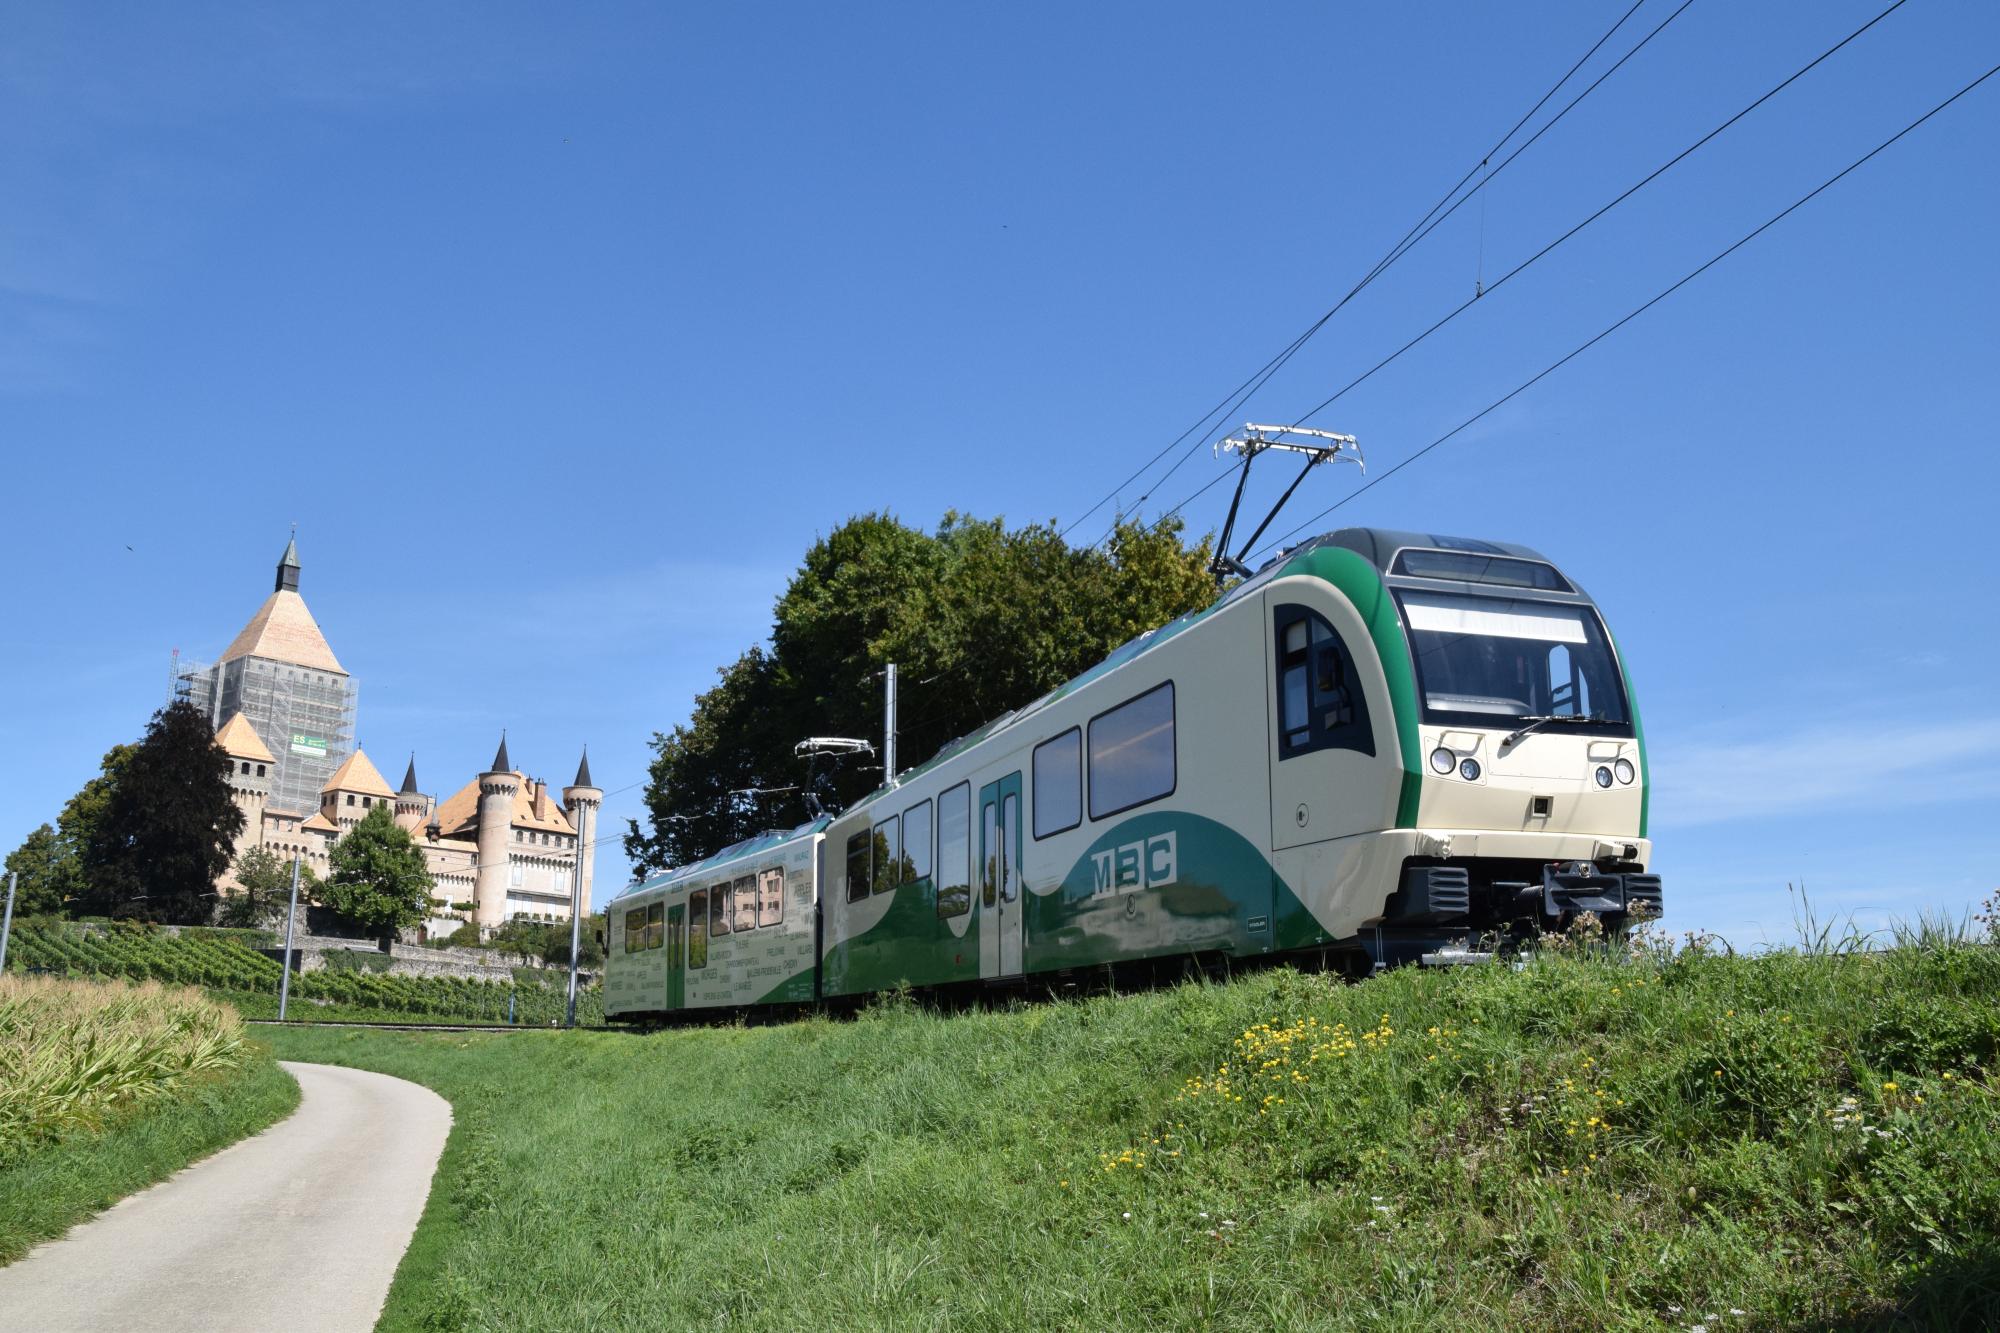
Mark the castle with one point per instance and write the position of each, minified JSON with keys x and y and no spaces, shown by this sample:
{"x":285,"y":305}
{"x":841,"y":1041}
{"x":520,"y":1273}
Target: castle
{"x":501,"y":848}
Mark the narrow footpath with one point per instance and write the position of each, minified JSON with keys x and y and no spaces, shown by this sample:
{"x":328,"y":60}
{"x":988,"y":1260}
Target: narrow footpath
{"x":297,"y":1228}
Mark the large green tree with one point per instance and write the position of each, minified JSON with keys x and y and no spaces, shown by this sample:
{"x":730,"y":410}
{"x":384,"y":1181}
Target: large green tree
{"x":50,"y":860}
{"x":979,"y":619}
{"x":377,"y":878}
{"x":167,"y":827}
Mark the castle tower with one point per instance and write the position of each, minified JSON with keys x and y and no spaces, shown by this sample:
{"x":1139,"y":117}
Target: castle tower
{"x":355,"y":788}
{"x":412,"y":806}
{"x":581,"y":800}
{"x":250,"y":766}
{"x":497,"y":788}
{"x":282,"y":678}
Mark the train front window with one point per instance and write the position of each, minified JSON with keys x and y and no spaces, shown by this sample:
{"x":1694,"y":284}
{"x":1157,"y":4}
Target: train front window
{"x":1483,"y":661}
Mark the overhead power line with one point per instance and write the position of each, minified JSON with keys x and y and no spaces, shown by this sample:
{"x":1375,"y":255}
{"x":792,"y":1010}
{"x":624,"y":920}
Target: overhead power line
{"x":1242,"y":392}
{"x":1540,"y":254}
{"x":1648,"y":179}
{"x":1581,"y":348}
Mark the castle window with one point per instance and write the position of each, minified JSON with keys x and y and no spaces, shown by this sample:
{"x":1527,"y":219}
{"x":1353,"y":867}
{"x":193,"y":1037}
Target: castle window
{"x":260,"y":770}
{"x":246,"y":766}
{"x":350,"y":798}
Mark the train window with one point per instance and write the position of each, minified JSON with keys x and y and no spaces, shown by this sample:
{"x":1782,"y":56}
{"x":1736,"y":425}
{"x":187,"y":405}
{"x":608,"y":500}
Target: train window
{"x":1059,"y":784}
{"x":917,"y":844}
{"x":656,"y":925}
{"x":1132,"y":752}
{"x":1320,"y":702}
{"x":745,"y":896}
{"x":635,"y":930}
{"x":698,"y":928}
{"x":954,"y":851}
{"x":674,"y":942}
{"x":770,"y":897}
{"x":718,"y":910}
{"x":857,"y":865}
{"x":888,"y":854}
{"x":989,"y":840}
{"x":1476,"y":567}
{"x":1010,"y":872}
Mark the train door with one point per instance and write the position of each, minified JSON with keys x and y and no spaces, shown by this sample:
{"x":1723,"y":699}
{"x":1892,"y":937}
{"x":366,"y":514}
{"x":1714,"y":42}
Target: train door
{"x":1327,"y":780}
{"x":677,"y":956}
{"x":1000,"y":872}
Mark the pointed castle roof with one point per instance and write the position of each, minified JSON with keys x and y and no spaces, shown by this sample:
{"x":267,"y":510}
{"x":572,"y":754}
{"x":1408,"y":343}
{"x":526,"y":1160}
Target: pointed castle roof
{"x":358,"y":775}
{"x":583,"y":771}
{"x":283,"y":630}
{"x":409,"y":787}
{"x":239,"y":740}
{"x":501,"y":764}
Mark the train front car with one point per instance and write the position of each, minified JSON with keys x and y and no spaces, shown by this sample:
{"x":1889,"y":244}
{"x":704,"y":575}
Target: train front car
{"x":1521,"y":790}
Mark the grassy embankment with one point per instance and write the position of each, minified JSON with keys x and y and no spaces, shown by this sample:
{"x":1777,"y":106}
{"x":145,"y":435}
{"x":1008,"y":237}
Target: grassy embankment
{"x":106,"y":1088}
{"x":227,"y":964}
{"x":1659,"y":1140}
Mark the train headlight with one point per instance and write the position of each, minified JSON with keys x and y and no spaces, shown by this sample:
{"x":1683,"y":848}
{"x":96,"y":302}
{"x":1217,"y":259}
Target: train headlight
{"x":1443,"y":761}
{"x":1603,"y":776}
{"x":1469,"y":770}
{"x":1625,"y":771}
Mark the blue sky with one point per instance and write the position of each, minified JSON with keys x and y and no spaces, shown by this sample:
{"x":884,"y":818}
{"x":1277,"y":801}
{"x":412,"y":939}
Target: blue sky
{"x":562,"y":330}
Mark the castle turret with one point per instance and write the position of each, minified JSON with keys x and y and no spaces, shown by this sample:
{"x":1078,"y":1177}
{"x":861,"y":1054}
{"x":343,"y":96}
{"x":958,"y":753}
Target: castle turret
{"x":497,"y":789}
{"x":581,"y":800}
{"x":412,"y":806}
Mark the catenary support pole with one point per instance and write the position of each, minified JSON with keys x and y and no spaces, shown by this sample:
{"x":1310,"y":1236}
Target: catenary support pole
{"x":7,"y":921}
{"x":889,"y":729}
{"x":291,"y":916}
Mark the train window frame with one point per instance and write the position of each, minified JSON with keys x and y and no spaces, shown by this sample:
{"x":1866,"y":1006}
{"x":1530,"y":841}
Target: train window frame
{"x":886,"y":854}
{"x":944,"y":864}
{"x":697,"y":927}
{"x":860,"y":849}
{"x":767,"y":895}
{"x":635,"y":930}
{"x":656,"y":924}
{"x":1357,"y":733}
{"x":1075,"y":811}
{"x":1173,"y":749}
{"x":743,"y":904}
{"x":913,"y":875}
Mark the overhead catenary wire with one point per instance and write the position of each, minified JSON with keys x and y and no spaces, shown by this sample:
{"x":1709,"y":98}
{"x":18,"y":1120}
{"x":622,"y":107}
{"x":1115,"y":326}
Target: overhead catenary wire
{"x":1410,"y":238}
{"x":1637,"y":311}
{"x":1641,"y":184}
{"x":1572,"y":231}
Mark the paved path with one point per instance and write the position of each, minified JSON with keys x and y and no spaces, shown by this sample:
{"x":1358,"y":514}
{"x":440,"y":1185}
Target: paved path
{"x":298,"y":1228}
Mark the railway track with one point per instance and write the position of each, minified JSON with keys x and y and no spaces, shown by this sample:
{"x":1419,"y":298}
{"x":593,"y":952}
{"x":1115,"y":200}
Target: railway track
{"x":404,"y":1027}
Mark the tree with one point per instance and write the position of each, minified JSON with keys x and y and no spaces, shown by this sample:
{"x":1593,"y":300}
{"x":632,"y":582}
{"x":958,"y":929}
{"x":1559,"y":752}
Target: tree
{"x":378,"y":878}
{"x":167,"y":827}
{"x":50,"y":859}
{"x":263,"y":888}
{"x":979,"y":620}
{"x":37,"y":862}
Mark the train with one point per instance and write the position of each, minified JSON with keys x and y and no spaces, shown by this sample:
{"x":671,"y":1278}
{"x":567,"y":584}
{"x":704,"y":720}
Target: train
{"x":1380,"y":748}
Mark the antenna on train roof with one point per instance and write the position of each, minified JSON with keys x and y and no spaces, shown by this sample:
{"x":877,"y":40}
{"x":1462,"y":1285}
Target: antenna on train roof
{"x":1254,"y":440}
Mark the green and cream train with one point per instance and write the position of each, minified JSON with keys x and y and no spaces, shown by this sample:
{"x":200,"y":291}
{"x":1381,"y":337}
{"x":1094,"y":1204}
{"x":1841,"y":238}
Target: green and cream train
{"x":1380,"y":748}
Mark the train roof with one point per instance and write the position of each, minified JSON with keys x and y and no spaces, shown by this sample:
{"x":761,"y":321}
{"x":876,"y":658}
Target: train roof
{"x":745,"y":850}
{"x":1378,"y":546}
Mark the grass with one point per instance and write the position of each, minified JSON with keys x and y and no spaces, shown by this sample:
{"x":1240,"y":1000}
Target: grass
{"x":1588,"y":1141}
{"x":107,"y":1088}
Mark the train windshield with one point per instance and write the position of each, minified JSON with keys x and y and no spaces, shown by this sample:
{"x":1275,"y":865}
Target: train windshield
{"x":1482,"y":661}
